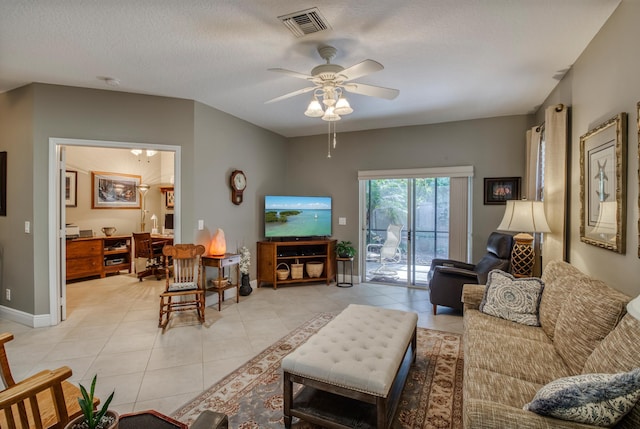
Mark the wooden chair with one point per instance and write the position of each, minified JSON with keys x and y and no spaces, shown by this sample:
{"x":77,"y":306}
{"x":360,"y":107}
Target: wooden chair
{"x":43,"y":400}
{"x":144,"y":247}
{"x":183,"y":290}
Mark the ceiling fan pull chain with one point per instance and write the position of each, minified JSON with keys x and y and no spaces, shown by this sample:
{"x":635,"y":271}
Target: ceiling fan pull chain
{"x":329,"y":140}
{"x":334,"y":135}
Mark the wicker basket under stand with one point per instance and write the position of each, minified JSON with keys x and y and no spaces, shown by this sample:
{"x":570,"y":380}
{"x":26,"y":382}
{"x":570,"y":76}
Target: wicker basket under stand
{"x":282,"y":273}
{"x":314,"y":269}
{"x":297,"y":270}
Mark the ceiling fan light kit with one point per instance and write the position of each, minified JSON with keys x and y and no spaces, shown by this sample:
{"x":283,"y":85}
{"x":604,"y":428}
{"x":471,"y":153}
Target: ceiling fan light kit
{"x":330,"y":81}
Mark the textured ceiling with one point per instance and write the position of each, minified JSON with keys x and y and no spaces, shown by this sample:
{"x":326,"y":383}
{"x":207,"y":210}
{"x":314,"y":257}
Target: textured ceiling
{"x":450,"y":59}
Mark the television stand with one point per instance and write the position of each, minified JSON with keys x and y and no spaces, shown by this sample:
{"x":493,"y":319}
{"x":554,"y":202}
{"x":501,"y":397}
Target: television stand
{"x":273,"y":253}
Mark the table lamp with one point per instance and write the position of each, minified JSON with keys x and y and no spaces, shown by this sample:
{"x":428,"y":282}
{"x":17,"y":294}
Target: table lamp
{"x":526,"y":217}
{"x":218,"y":246}
{"x":154,"y":218}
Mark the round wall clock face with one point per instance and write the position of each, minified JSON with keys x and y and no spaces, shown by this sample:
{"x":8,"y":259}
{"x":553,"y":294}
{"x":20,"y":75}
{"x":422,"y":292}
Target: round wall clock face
{"x":239,"y":181}
{"x":238,"y":184}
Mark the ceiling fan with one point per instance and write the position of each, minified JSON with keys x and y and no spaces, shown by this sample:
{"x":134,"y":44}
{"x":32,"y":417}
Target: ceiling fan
{"x":330,"y":80}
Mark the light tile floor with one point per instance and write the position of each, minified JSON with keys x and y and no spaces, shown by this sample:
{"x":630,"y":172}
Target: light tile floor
{"x":112,"y":330}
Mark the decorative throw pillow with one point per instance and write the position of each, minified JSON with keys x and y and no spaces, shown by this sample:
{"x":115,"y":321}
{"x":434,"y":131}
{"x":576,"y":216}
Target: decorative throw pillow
{"x":595,"y":399}
{"x":512,"y":299}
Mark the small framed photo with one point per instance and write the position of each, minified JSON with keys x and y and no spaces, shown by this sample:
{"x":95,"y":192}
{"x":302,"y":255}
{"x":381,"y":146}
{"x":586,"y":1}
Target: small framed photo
{"x":115,"y":190}
{"x":169,"y":199}
{"x":71,"y":188}
{"x":498,"y":190}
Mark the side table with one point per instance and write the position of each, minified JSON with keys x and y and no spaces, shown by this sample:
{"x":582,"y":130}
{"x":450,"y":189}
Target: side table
{"x":344,"y":282}
{"x":219,"y":285}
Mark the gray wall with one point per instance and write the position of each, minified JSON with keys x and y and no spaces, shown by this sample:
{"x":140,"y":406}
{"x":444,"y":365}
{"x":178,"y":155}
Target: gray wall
{"x":494,"y":146}
{"x":212,"y":143}
{"x":16,"y":137}
{"x":602,"y":83}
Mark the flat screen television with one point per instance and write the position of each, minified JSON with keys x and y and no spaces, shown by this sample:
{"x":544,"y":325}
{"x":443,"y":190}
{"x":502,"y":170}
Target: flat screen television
{"x":297,"y":216}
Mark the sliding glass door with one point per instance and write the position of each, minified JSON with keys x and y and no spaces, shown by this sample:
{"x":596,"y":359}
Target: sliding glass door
{"x":410,"y":217}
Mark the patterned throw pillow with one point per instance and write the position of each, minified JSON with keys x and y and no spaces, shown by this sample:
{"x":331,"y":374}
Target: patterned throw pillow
{"x":512,"y":299}
{"x":595,"y":399}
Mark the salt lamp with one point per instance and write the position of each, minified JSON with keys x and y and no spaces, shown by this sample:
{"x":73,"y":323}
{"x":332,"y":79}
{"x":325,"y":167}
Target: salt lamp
{"x":218,"y":246}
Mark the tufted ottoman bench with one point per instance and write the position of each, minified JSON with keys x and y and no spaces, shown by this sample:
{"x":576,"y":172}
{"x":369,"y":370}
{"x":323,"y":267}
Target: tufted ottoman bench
{"x":353,"y":369}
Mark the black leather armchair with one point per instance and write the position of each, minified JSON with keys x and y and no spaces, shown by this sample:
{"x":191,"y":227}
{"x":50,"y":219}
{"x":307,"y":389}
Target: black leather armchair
{"x":448,"y":276}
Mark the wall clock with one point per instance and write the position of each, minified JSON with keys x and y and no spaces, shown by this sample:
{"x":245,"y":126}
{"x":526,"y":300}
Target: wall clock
{"x":238,"y":185}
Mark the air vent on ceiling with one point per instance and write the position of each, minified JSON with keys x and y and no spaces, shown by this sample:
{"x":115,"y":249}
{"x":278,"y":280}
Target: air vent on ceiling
{"x":305,"y":22}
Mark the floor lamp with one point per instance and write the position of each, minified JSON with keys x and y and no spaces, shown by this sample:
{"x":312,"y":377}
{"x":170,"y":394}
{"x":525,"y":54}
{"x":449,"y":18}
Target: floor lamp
{"x":525,"y":217}
{"x":143,"y":189}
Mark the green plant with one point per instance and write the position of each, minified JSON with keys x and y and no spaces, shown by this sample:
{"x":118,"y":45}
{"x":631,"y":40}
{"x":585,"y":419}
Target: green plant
{"x":344,"y":249}
{"x":92,"y":417}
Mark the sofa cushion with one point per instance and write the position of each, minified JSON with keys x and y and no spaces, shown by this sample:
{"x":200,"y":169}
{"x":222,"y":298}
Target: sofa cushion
{"x":512,"y":299}
{"x":559,"y":279}
{"x":483,"y":323}
{"x":592,"y":310}
{"x":598,"y":399}
{"x":619,"y":352}
{"x":522,"y":359}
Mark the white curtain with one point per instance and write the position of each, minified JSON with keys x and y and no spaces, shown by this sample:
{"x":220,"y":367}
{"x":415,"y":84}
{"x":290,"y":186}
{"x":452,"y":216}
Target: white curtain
{"x":555,"y":184}
{"x":459,"y":219}
{"x":551,"y":185}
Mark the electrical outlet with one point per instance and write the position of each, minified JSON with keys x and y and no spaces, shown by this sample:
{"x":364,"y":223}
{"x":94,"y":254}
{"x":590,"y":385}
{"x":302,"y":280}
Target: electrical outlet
{"x":7,"y":294}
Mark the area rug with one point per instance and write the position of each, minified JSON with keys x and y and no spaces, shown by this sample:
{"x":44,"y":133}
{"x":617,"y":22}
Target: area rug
{"x":252,"y":395}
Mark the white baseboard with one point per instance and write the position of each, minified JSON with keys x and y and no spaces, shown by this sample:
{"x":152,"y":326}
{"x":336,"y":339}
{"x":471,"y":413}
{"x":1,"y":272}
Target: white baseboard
{"x":33,"y":321}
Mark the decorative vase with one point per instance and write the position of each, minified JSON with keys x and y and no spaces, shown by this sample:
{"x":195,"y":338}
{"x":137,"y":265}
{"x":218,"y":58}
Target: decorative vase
{"x":245,"y":287}
{"x":111,"y":416}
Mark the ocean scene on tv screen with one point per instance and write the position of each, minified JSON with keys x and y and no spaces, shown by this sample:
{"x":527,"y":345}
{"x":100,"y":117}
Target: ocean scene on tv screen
{"x":292,"y":216}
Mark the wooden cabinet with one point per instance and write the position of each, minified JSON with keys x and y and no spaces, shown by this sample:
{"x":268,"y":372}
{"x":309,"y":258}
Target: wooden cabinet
{"x":89,"y":257}
{"x":274,"y":254}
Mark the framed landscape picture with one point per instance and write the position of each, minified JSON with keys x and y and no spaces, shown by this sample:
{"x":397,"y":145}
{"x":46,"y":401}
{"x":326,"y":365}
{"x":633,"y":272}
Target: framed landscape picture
{"x":497,"y":190}
{"x":114,"y":190}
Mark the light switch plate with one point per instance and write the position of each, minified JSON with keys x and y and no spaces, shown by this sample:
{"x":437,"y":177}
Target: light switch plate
{"x":27,"y":227}
{"x":200,"y":224}
{"x":342,"y":221}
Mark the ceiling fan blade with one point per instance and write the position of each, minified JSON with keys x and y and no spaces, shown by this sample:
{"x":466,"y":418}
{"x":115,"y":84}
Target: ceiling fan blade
{"x":372,"y":91}
{"x":361,"y":69}
{"x":292,"y":73}
{"x":291,"y":94}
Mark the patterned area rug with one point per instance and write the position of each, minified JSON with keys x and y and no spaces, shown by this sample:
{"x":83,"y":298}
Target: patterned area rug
{"x":252,"y":395}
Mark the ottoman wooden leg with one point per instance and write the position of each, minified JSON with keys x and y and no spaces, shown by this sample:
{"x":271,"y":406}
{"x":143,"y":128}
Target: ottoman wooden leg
{"x":288,"y":399}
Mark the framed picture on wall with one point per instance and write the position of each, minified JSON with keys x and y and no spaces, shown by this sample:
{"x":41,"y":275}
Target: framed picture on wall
{"x":497,"y":190}
{"x":169,"y":199}
{"x":3,"y":183}
{"x":71,"y":188}
{"x":603,"y":160}
{"x":114,"y":190}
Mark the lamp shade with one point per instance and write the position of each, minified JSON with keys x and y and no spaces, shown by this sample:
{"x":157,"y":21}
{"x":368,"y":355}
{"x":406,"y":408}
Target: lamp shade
{"x":314,"y":110}
{"x":342,"y":106}
{"x":524,"y":216}
{"x":330,"y":115}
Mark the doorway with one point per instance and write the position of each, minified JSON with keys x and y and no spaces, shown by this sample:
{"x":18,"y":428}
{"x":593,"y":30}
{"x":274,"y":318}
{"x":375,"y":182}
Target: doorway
{"x":422,"y":208}
{"x":59,"y":198}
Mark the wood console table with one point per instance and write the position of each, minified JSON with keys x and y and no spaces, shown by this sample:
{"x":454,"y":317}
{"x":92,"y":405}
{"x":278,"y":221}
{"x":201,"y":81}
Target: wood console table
{"x":219,"y":285}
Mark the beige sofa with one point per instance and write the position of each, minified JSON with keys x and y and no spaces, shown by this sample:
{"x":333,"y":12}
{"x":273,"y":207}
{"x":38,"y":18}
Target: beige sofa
{"x":585,"y":329}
